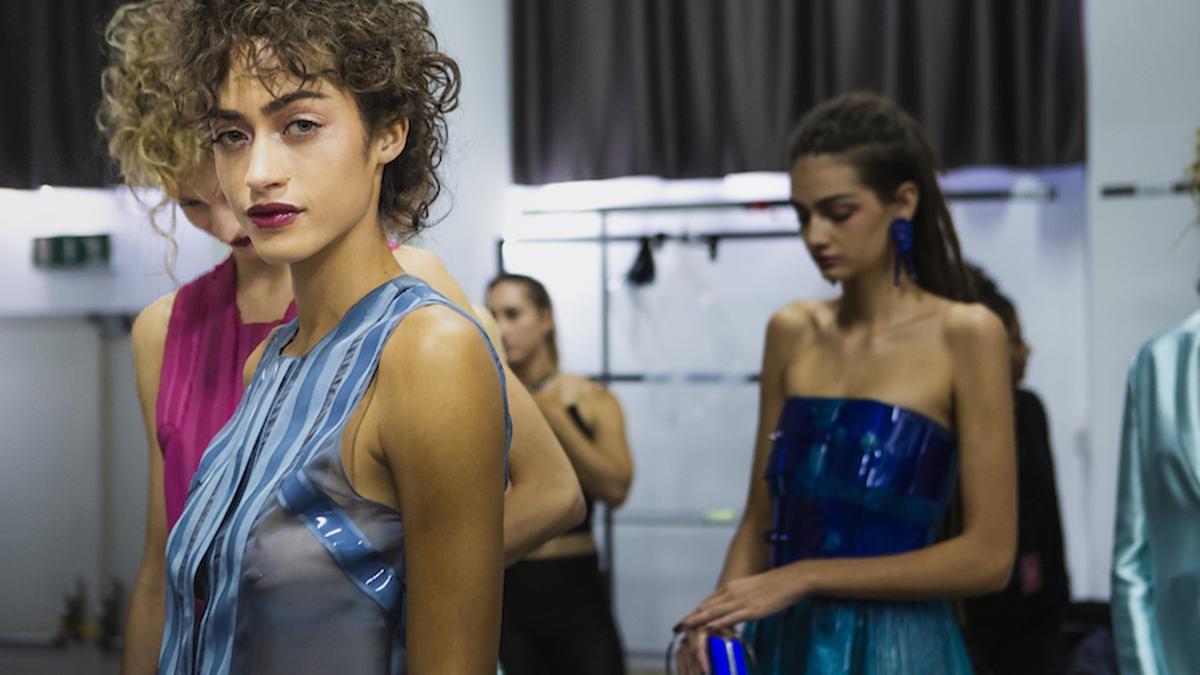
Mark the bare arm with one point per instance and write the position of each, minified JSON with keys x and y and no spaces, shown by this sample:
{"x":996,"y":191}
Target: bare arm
{"x":604,"y":464}
{"x":143,"y":630}
{"x":748,"y":552}
{"x":447,"y":464}
{"x":543,"y":498}
{"x":979,"y":560}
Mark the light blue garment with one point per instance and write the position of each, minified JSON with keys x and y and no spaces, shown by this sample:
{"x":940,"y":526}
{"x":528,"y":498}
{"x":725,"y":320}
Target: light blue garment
{"x":856,"y":478}
{"x":1156,"y":552}
{"x":277,"y":565}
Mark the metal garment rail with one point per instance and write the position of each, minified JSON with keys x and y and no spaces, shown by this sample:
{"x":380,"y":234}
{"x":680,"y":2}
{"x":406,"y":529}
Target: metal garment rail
{"x":1127,"y":190}
{"x":712,"y":239}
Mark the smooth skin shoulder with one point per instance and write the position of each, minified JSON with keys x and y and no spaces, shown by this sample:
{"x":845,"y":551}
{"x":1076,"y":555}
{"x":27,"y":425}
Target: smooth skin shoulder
{"x":446,"y":463}
{"x":544,"y":497}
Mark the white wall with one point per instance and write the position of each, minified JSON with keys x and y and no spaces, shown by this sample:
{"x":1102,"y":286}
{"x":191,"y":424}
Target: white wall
{"x":50,"y":484}
{"x":74,"y":474}
{"x":477,"y":168}
{"x":125,"y":464}
{"x":136,"y":275}
{"x":1144,"y":257}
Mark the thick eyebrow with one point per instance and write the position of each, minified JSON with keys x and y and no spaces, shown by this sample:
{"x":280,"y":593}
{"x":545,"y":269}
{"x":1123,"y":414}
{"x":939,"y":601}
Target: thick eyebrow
{"x":825,"y":201}
{"x":272,"y":107}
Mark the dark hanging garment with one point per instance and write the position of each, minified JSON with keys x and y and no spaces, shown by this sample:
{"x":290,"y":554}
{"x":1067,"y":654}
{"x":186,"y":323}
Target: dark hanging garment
{"x":1018,"y":629}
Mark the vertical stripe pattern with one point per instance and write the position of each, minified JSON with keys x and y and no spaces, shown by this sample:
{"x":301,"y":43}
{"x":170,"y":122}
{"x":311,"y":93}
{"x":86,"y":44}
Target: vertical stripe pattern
{"x":293,"y":407}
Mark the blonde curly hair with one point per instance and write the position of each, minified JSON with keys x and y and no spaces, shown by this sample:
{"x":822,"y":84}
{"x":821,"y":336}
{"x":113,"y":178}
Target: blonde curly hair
{"x":148,"y":137}
{"x":139,"y":110}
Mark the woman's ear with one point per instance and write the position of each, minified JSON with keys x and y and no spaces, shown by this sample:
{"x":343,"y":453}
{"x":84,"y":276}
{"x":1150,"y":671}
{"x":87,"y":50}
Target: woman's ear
{"x":390,"y":141}
{"x":905,"y":201}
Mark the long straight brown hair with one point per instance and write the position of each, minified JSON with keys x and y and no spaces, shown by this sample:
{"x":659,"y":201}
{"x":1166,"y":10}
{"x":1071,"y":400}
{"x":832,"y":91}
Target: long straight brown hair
{"x":888,"y":147}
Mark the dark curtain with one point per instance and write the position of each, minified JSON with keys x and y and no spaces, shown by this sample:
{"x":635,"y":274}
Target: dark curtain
{"x":50,"y":63}
{"x":695,"y":88}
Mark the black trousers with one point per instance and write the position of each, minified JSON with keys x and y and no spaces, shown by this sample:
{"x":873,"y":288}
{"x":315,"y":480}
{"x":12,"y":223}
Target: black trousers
{"x":558,"y":620}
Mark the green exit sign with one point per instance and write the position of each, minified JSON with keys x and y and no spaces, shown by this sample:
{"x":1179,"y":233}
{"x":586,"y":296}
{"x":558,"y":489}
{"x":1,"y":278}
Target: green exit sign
{"x":71,"y":252}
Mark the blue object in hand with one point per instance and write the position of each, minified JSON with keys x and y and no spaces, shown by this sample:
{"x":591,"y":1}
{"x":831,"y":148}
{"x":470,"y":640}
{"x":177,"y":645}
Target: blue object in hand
{"x":727,"y":656}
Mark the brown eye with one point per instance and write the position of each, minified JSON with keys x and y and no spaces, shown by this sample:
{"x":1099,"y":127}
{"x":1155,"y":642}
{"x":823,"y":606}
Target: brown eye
{"x":229,"y":138}
{"x":302,"y":127}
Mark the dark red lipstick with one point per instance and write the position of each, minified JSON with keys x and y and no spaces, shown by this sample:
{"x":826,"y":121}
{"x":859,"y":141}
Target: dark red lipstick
{"x":273,"y":216}
{"x":825,"y":262}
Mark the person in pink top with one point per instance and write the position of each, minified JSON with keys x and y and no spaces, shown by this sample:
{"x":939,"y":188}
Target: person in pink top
{"x":190,"y":346}
{"x":200,"y":380}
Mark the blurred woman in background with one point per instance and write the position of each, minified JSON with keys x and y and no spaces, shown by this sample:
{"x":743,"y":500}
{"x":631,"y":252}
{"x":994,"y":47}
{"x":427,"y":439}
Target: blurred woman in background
{"x":1156,"y":547}
{"x":1018,"y":631}
{"x":557,"y":612}
{"x":874,"y":406}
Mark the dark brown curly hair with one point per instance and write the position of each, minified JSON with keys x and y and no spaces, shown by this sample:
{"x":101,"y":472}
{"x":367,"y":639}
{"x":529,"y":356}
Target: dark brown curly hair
{"x":888,"y":147}
{"x":382,"y":52}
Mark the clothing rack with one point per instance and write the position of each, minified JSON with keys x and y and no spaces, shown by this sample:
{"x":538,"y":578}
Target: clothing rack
{"x":1128,"y":190}
{"x":711,"y":239}
{"x":1044,"y":194}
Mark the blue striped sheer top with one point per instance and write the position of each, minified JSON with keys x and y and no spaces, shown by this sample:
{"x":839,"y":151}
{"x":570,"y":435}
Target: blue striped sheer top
{"x":277,"y":564}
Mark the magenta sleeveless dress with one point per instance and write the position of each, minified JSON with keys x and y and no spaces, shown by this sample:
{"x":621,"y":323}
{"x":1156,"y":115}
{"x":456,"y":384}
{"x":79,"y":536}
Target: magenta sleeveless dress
{"x":201,"y":381}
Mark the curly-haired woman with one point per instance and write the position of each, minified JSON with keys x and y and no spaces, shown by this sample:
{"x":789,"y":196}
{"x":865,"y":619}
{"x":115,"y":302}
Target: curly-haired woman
{"x":190,"y":346}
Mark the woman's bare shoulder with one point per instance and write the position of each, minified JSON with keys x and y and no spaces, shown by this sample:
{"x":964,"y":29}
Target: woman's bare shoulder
{"x":798,"y":319}
{"x":149,"y":332}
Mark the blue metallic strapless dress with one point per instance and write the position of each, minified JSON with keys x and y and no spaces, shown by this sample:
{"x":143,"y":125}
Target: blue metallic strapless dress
{"x":853,"y":478}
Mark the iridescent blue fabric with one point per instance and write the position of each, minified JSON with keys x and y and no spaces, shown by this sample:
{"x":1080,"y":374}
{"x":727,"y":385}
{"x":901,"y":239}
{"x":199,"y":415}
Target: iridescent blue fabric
{"x":856,"y":478}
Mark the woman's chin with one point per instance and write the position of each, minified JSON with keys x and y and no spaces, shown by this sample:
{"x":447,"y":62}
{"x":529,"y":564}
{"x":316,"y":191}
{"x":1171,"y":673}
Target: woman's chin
{"x":245,"y":252}
{"x":833,"y":275}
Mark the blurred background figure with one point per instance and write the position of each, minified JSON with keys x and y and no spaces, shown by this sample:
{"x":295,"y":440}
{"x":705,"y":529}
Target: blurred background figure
{"x":557,"y":612}
{"x":1156,"y":550}
{"x":1017,"y":631}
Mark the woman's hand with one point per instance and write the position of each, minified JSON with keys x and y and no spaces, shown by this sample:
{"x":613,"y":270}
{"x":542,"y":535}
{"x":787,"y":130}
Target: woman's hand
{"x":691,"y":655}
{"x":748,"y":598}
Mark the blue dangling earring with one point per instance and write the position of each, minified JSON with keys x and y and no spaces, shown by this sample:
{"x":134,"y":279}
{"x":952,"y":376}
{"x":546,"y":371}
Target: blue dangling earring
{"x":902,"y":238}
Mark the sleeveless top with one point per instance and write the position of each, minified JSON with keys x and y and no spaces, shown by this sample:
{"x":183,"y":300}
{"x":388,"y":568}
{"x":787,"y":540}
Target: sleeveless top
{"x":853,"y":478}
{"x":277,"y":566}
{"x":201,"y":380}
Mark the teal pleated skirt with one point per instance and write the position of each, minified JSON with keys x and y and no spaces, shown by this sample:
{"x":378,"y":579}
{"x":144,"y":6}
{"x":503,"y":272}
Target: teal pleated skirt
{"x":856,"y":637}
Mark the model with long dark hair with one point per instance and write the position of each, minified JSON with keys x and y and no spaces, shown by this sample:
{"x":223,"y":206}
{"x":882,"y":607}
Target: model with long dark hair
{"x":874,"y":406}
